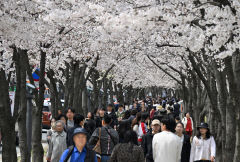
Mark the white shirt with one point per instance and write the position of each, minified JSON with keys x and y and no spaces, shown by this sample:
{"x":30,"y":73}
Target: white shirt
{"x":202,"y":149}
{"x":167,"y":147}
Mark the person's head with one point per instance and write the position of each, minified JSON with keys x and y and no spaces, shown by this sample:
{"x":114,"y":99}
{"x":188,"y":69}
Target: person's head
{"x":187,"y":115}
{"x":62,"y":118}
{"x":53,"y":123}
{"x":179,"y":128}
{"x":134,"y":105}
{"x":137,"y":119}
{"x":177,"y":119}
{"x":203,"y":130}
{"x":134,"y":112}
{"x":70,"y":113}
{"x":124,"y":126}
{"x":142,"y":103}
{"x":168,"y":124}
{"x":144,"y":117}
{"x":170,"y":109}
{"x":90,"y":126}
{"x":120,"y":108}
{"x":80,"y":137}
{"x":90,"y":115}
{"x":131,"y":137}
{"x":107,"y":119}
{"x":127,"y":114}
{"x":78,"y":119}
{"x":110,"y":108}
{"x":59,"y":112}
{"x":59,"y":126}
{"x":101,"y":112}
{"x":155,"y":126}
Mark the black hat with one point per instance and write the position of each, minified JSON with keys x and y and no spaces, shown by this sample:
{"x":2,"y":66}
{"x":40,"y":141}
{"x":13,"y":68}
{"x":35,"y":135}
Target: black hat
{"x":79,"y":130}
{"x":203,"y":125}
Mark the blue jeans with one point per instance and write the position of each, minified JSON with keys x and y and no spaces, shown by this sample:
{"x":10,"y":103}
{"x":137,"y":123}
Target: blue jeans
{"x":105,"y":158}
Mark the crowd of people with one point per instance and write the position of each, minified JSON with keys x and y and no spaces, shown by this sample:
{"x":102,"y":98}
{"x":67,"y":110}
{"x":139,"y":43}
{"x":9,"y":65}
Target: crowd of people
{"x":149,"y":130}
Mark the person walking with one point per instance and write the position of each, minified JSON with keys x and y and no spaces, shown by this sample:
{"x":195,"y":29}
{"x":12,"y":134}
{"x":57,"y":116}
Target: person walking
{"x":52,"y":130}
{"x":120,"y":113}
{"x":142,"y":129}
{"x":167,"y":146}
{"x":79,"y":152}
{"x":177,"y":108}
{"x":78,"y":122}
{"x":70,"y":115}
{"x":147,"y":140}
{"x":57,"y":144}
{"x":108,"y":138}
{"x":128,"y":151}
{"x":188,"y":124}
{"x":203,"y":145}
{"x":186,"y":145}
{"x":111,"y":112}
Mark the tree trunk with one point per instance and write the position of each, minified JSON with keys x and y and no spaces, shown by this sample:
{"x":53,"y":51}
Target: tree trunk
{"x":236,"y":72}
{"x":85,"y":101}
{"x":37,"y":149}
{"x":20,"y":65}
{"x":111,"y":92}
{"x":7,"y":122}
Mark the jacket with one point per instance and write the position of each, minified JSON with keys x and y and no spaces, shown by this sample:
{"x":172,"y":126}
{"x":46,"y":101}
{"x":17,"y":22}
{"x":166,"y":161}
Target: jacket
{"x":57,"y":146}
{"x":186,"y":149}
{"x":70,"y":135}
{"x":120,"y":114}
{"x":107,"y":142}
{"x":147,"y":146}
{"x":127,"y":152}
{"x":177,"y":109}
{"x":184,"y":121}
{"x":142,"y":130}
{"x":167,"y":147}
{"x":87,"y":154}
{"x":114,"y":119}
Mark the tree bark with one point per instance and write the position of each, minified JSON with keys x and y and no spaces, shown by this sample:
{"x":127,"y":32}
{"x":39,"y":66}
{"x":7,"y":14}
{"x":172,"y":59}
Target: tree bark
{"x":236,"y":72}
{"x":20,"y":65}
{"x":7,"y":122}
{"x":37,"y":149}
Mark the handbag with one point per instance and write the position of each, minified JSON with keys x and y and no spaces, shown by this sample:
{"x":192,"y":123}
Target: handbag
{"x":97,"y":147}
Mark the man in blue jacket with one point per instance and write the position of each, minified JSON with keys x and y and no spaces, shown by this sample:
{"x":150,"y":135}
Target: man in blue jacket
{"x":79,"y":152}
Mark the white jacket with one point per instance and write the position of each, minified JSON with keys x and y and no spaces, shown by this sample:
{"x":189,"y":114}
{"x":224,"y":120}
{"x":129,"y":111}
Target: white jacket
{"x":202,"y":149}
{"x":167,"y":147}
{"x":184,"y":121}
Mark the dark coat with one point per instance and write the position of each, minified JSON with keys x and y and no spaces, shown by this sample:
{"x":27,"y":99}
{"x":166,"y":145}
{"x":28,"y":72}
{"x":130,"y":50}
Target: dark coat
{"x":127,"y":152}
{"x":106,"y":144}
{"x":70,"y":135}
{"x":186,"y":149}
{"x":176,"y":109}
{"x":147,"y":146}
{"x":114,"y":119}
